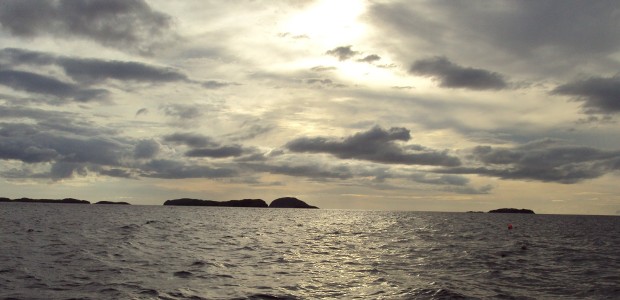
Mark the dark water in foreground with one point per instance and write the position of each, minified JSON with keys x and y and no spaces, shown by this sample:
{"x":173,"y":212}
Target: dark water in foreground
{"x":68,"y":251}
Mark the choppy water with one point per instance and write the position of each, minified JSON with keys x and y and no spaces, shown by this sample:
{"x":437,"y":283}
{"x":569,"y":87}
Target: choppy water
{"x":66,"y":251}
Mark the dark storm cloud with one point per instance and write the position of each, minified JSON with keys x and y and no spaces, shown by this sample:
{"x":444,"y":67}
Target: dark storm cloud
{"x":189,"y":139}
{"x":171,"y":169}
{"x":44,"y":85}
{"x":123,"y":24}
{"x":218,"y":152}
{"x":451,"y":75}
{"x":377,"y":145}
{"x":342,"y":53}
{"x":598,"y":94}
{"x":545,"y":160}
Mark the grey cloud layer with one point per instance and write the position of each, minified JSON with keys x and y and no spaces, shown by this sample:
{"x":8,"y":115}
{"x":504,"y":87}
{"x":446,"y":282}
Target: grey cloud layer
{"x":342,"y":53}
{"x":545,"y":160}
{"x":92,"y":70}
{"x":377,"y":145}
{"x":550,"y":35}
{"x":598,"y":94}
{"x":452,"y":75}
{"x":123,"y":24}
{"x":84,"y":73}
{"x":48,"y":86}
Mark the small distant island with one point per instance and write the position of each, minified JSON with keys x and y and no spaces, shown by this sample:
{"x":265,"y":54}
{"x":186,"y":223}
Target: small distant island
{"x":512,"y":211}
{"x":285,"y":202}
{"x":113,"y":202}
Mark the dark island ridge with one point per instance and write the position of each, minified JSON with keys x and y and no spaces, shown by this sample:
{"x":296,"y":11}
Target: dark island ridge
{"x":113,"y":202}
{"x":28,"y":200}
{"x":512,"y":211}
{"x":229,"y":203}
{"x":289,"y":202}
{"x":285,"y":202}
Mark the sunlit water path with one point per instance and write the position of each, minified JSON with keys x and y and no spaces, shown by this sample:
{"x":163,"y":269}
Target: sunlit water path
{"x":67,"y":251}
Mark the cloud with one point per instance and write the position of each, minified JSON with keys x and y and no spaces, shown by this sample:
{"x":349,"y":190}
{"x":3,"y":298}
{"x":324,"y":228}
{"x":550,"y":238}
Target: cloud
{"x":376,"y":145}
{"x":142,"y":111}
{"x":39,"y":145}
{"x":550,"y":35}
{"x":452,"y":75}
{"x":370,"y":58}
{"x":218,"y":152}
{"x":342,"y":53}
{"x":214,"y":84}
{"x":300,"y":169}
{"x":544,"y":160}
{"x":122,"y":24}
{"x":93,"y":70}
{"x":146,"y":149}
{"x":172,"y":169}
{"x":47,"y":86}
{"x":189,"y":139}
{"x":62,"y":170}
{"x":181,"y":111}
{"x":323,"y":68}
{"x":598,"y":94}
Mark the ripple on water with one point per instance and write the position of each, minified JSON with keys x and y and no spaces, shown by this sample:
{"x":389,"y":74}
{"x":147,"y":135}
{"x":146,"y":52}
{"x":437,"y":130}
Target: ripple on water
{"x":214,"y":253}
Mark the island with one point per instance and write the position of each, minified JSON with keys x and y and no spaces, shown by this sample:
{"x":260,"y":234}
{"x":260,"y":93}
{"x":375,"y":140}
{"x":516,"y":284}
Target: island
{"x":289,"y":202}
{"x":29,"y":200}
{"x":229,"y":203}
{"x":285,"y":202}
{"x":113,"y":202}
{"x":512,"y":211}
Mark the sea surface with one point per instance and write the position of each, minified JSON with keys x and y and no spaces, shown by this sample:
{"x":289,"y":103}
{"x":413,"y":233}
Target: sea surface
{"x":73,"y":251}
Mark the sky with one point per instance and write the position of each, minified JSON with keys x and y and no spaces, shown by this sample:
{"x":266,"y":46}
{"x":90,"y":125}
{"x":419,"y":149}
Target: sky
{"x":383,"y":105}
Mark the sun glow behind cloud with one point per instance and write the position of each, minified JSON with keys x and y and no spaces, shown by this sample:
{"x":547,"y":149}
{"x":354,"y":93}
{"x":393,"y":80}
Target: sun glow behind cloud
{"x":329,"y":22}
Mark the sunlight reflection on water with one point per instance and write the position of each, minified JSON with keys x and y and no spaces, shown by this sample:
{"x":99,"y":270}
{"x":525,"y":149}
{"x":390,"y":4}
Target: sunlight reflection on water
{"x":52,"y":251}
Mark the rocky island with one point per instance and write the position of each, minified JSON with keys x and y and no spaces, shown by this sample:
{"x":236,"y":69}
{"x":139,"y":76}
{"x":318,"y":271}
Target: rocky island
{"x":512,"y":211}
{"x":229,"y":203}
{"x":113,"y":202}
{"x":289,"y":202}
{"x":285,"y":202}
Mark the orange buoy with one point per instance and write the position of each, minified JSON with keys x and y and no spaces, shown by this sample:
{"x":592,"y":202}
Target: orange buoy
{"x":509,"y":226}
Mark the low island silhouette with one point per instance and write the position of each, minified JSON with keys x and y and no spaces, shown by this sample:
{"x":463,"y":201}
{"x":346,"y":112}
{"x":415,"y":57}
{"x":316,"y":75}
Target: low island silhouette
{"x":284,"y":202}
{"x":29,"y":200}
{"x":504,"y":211}
{"x":512,"y":211}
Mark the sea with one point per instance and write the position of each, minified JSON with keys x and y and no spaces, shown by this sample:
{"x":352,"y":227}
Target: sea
{"x":77,"y":251}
